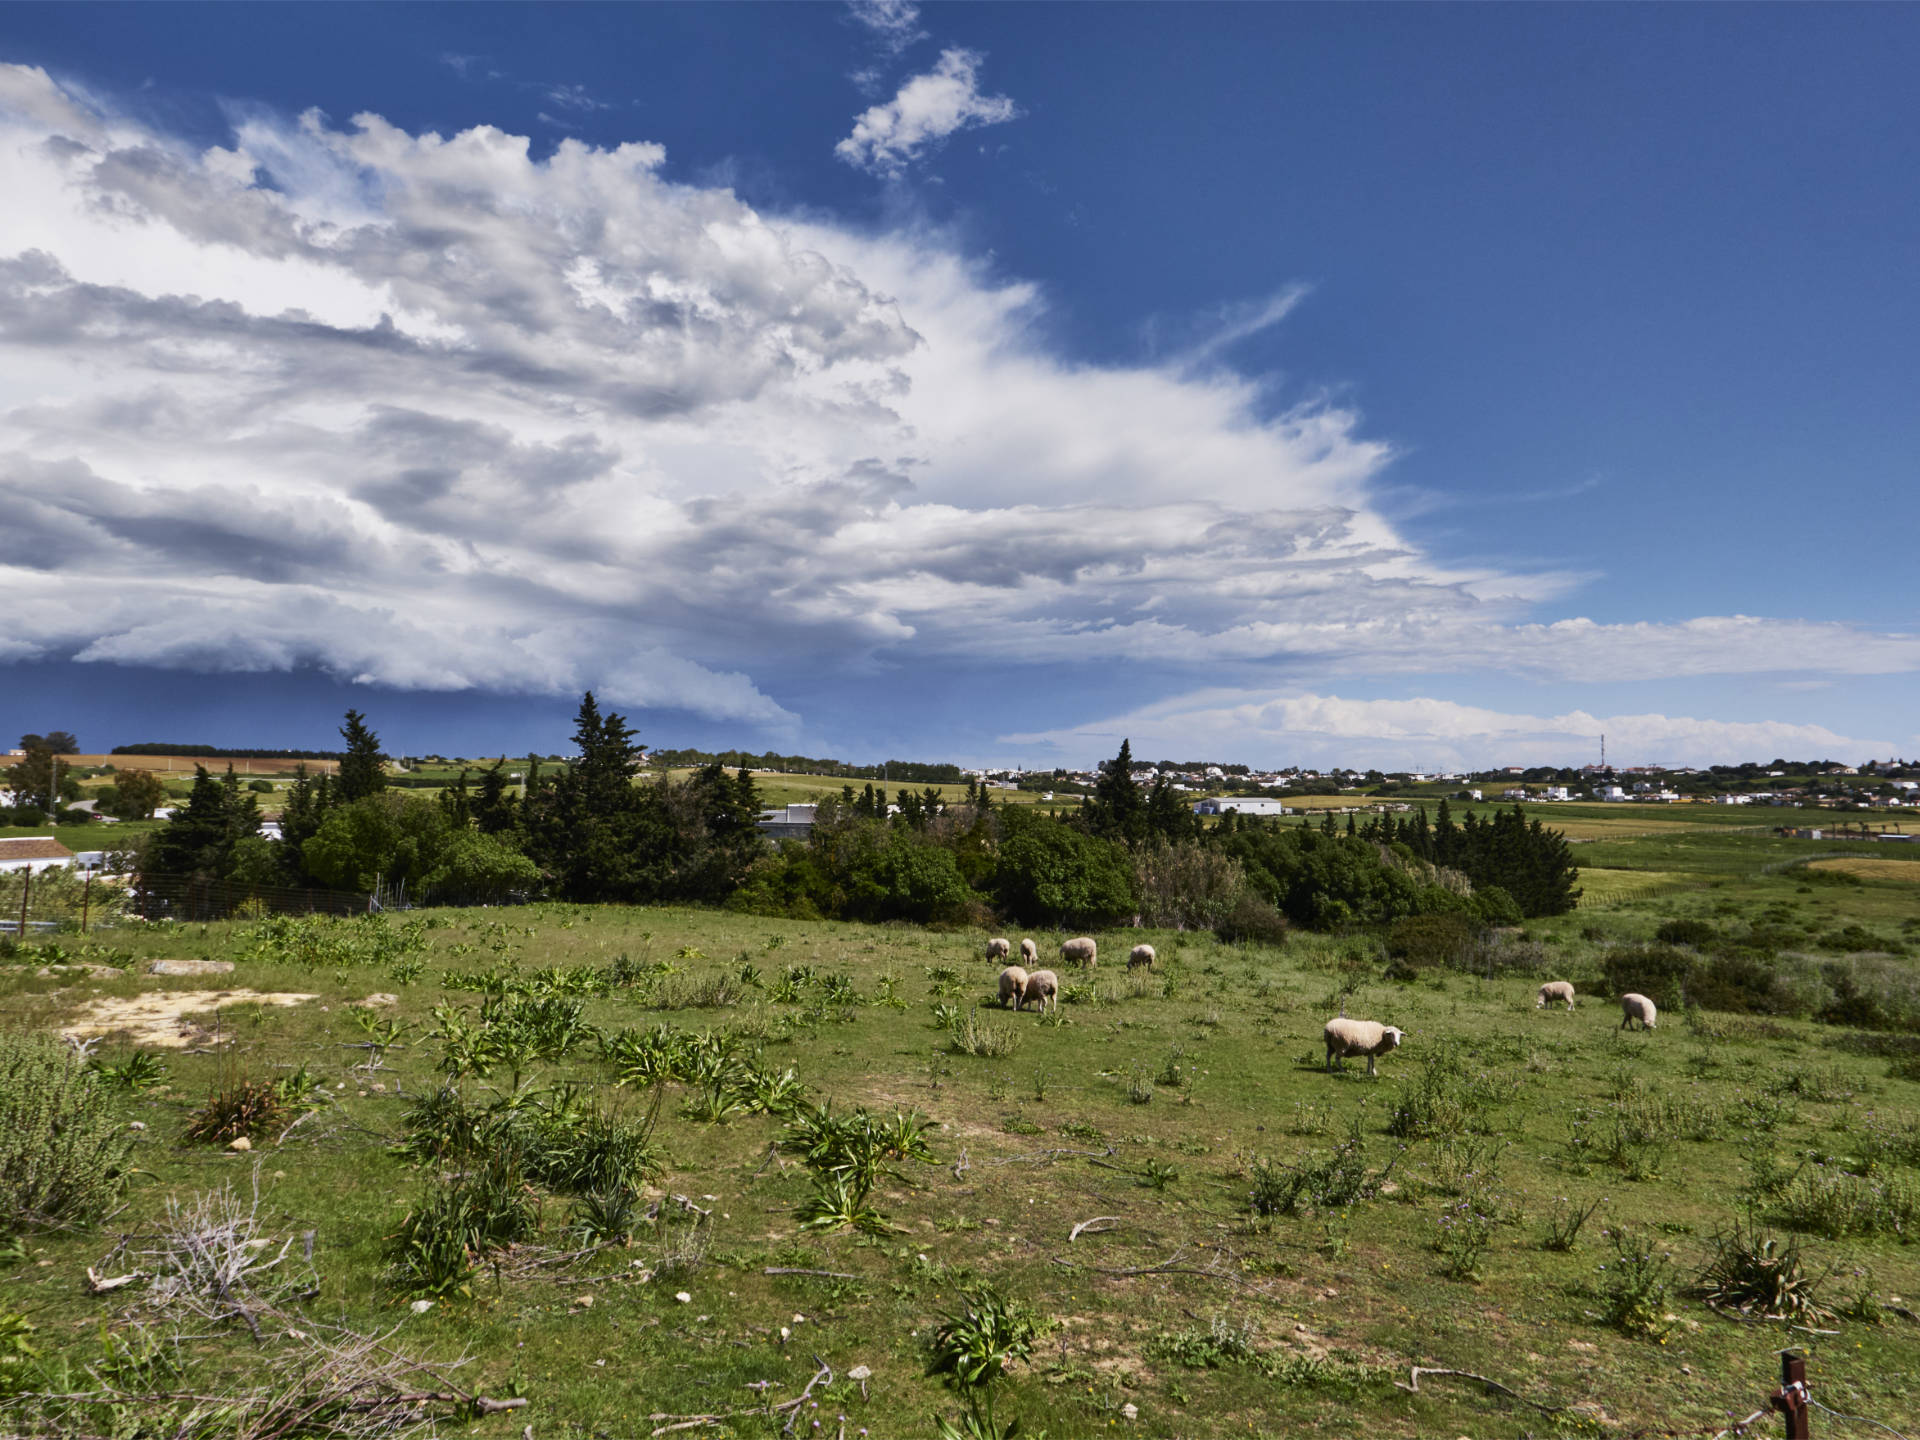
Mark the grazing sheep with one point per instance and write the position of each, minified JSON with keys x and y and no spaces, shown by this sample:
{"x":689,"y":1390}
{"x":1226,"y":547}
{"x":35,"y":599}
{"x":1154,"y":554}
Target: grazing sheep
{"x":1029,"y":954}
{"x":1555,"y":990}
{"x":1013,"y":985}
{"x":998,"y":949}
{"x":1360,"y":1037}
{"x":1638,"y":1007}
{"x":1044,"y":986}
{"x":1081,"y":952}
{"x":1141,"y":955}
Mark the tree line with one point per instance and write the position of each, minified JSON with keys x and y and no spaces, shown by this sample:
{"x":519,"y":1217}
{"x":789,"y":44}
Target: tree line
{"x":597,"y":829}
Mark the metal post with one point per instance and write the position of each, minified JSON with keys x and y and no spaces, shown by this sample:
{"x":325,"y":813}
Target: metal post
{"x":26,"y":889}
{"x":86,"y":895}
{"x":1792,"y":1396}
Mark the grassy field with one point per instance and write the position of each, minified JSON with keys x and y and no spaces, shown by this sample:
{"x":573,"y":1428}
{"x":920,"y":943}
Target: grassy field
{"x":1159,"y":1103}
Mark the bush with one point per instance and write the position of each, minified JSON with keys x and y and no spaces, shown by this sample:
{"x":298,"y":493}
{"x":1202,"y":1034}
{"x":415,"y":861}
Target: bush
{"x":1659,"y":972}
{"x":1872,"y":993}
{"x":1252,"y":921}
{"x":63,"y":1157}
{"x":1636,"y":1287}
{"x":1759,"y":1278}
{"x":457,"y":1223}
{"x":1422,"y":941}
{"x":1744,"y":983}
{"x":1697,"y":933}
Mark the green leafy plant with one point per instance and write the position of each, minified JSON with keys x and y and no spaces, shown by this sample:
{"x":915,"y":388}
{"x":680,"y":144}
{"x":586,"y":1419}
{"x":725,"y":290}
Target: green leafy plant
{"x":1564,"y":1223}
{"x":142,"y":1070}
{"x":1635,"y":1287}
{"x":1759,"y":1277}
{"x":1462,"y":1233}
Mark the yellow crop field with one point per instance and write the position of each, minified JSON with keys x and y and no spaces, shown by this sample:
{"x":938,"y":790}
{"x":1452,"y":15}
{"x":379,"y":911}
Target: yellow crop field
{"x":1868,"y":868}
{"x":1609,"y":887}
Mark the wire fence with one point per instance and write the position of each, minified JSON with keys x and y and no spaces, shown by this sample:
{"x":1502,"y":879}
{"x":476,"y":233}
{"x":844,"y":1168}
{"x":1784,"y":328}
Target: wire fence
{"x":64,"y":900}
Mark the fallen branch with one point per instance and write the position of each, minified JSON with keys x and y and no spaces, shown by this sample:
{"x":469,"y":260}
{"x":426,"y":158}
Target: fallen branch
{"x":1077,"y":1230}
{"x":1045,"y":1155}
{"x":796,"y":1270}
{"x":98,"y":1285}
{"x":1413,"y":1386}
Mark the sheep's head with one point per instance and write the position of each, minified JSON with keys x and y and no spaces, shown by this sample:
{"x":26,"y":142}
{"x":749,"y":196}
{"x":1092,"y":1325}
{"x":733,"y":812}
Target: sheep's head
{"x":1390,"y":1039}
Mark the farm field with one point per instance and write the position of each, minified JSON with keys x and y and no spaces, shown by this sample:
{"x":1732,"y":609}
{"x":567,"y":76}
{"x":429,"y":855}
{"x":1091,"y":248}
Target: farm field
{"x":1272,"y":1246}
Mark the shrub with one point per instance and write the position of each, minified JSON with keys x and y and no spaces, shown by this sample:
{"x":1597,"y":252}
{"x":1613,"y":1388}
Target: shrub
{"x":1422,"y":941}
{"x":1252,"y":921}
{"x":1660,"y":972}
{"x":970,"y":1035}
{"x":1695,"y":932}
{"x":240,"y":1106}
{"x":1462,"y":1233}
{"x":63,"y":1158}
{"x":974,"y":1348}
{"x":459,"y":1222}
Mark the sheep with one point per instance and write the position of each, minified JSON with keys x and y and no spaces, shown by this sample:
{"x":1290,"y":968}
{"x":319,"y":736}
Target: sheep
{"x":1141,"y":955}
{"x":1555,"y":990}
{"x":998,"y":949}
{"x":1638,"y":1007}
{"x":1360,"y":1037}
{"x":1081,"y":952}
{"x":1013,"y":985}
{"x":1044,"y":986}
{"x":1029,"y":954}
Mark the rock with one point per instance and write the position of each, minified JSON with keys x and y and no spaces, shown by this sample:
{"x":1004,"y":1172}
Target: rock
{"x":420,"y":1307}
{"x":1130,"y":1411}
{"x":583,"y":1302}
{"x":242,"y":1143}
{"x":136,"y":1125}
{"x":860,"y":1372}
{"x":190,"y":967}
{"x":683,"y":1297}
{"x":379,"y":998}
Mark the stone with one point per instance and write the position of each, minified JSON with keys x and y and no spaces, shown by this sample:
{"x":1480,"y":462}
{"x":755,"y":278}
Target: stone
{"x":1130,"y":1411}
{"x":683,"y":1297}
{"x":136,"y":1125}
{"x":860,"y":1372}
{"x":243,"y":1143}
{"x":420,"y":1307}
{"x":190,"y":967}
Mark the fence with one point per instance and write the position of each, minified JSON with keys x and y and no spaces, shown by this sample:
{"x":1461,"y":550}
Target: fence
{"x":63,"y":899}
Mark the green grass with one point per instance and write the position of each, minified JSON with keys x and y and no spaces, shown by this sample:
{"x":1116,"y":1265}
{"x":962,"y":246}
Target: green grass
{"x":1291,"y":1324}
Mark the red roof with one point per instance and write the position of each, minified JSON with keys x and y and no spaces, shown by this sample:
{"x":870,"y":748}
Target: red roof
{"x":34,"y":847}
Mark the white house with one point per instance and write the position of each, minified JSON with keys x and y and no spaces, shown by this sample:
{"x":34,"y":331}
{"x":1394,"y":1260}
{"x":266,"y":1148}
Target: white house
{"x":34,"y":853}
{"x":1609,"y":792}
{"x":1559,"y":792}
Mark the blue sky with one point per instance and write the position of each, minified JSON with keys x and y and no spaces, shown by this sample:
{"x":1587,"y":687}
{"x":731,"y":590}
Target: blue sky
{"x":1399,"y":385}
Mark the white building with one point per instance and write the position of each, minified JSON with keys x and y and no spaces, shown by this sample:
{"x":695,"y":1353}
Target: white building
{"x":788,"y":822}
{"x":1246,"y":805}
{"x":34,"y":853}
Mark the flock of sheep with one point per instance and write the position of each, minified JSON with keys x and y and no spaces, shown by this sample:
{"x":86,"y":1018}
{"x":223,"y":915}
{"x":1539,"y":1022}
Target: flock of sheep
{"x":1021,"y":984}
{"x":1344,"y":1037}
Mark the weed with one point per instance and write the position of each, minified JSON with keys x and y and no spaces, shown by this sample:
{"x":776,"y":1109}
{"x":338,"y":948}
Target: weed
{"x":1157,"y":1175}
{"x":1333,"y":1181}
{"x":1447,"y":1098}
{"x":1139,"y":1089}
{"x":457,"y":1223}
{"x":973,"y":1348}
{"x":241,"y":1107}
{"x":1462,"y":1233}
{"x":1636,"y":1285}
{"x":1220,"y":1345}
{"x":1759,"y":1278}
{"x":1564,"y":1223}
{"x":1172,"y":1073}
{"x":1838,"y":1205}
{"x":140,"y":1071}
{"x":971,"y":1035}
{"x":839,"y":1202}
{"x":606,"y":1217}
{"x":63,"y":1159}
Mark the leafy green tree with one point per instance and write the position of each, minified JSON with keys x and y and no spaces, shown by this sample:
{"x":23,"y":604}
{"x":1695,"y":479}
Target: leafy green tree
{"x":1050,"y":873}
{"x":36,"y":776}
{"x":55,"y":742}
{"x":496,"y":807}
{"x":1169,"y":818}
{"x":135,"y":795}
{"x":363,"y":770}
{"x":391,"y":838}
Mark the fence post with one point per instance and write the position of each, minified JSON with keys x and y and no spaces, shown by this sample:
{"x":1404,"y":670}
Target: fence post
{"x":1791,"y":1398}
{"x":86,"y":896}
{"x":26,"y":889}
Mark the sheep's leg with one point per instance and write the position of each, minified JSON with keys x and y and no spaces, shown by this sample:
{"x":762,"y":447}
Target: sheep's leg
{"x":1369,"y":1064}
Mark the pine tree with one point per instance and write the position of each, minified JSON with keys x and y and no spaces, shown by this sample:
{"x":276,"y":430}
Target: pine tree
{"x":363,"y":770}
{"x":1117,"y":811}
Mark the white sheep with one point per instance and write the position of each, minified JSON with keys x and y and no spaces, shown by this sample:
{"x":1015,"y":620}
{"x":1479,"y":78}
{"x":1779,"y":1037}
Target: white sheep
{"x":1044,"y":986}
{"x":1029,"y":954}
{"x":1555,"y":990}
{"x":1081,"y":952}
{"x":1140,"y":955}
{"x":1013,"y":985}
{"x":1638,"y":1007}
{"x":1360,"y":1037}
{"x":998,"y":949}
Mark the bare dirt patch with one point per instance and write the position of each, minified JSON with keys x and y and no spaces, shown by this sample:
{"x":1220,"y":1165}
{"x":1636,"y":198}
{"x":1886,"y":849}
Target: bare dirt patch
{"x":160,"y":1017}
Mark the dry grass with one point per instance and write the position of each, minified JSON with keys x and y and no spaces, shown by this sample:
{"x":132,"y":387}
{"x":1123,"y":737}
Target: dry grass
{"x":1907,"y":871}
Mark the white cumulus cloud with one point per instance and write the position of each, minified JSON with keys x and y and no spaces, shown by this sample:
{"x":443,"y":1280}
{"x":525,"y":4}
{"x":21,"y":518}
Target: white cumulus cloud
{"x":930,"y":107}
{"x":1430,"y":734}
{"x":428,"y":411}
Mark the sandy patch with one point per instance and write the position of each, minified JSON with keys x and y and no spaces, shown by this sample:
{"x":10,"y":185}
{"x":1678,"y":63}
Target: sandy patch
{"x":159,"y":1017}
{"x":1868,"y":868}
